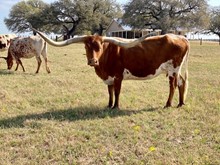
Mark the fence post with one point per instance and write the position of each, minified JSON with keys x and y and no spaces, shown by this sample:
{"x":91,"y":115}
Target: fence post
{"x":200,"y":41}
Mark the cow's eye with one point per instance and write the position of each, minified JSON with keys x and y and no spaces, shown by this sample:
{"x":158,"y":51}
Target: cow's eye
{"x":87,"y":46}
{"x":96,"y":47}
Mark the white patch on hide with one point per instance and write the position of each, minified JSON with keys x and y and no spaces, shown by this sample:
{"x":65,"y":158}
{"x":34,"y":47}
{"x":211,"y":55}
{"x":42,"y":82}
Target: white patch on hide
{"x":109,"y":81}
{"x":179,"y":82}
{"x":166,"y":67}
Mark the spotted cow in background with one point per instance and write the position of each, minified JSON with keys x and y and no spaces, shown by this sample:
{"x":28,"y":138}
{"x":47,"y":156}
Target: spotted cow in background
{"x":27,"y":47}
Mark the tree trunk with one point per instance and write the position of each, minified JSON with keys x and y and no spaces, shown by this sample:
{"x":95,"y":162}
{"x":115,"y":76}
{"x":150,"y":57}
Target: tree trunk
{"x":70,"y":32}
{"x":163,"y":31}
{"x":100,"y":31}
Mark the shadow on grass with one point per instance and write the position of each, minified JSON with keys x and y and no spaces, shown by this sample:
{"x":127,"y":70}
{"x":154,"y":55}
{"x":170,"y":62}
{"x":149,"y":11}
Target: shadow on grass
{"x":13,"y":72}
{"x":71,"y":114}
{"x":6,"y":72}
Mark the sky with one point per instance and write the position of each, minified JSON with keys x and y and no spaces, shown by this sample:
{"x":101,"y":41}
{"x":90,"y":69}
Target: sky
{"x":5,"y":6}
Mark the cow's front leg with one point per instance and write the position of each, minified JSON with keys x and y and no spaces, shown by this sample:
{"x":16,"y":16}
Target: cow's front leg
{"x":17,"y":65}
{"x":110,"y":92}
{"x":21,"y":65}
{"x":18,"y":61}
{"x":117,"y":89}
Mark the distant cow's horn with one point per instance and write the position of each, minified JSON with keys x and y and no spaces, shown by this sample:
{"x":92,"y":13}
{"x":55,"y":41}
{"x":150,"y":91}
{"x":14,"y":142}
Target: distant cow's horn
{"x":62,"y":43}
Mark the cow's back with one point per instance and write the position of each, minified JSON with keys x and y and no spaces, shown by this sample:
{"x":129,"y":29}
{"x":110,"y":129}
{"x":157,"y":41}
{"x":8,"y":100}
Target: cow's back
{"x":27,"y":47}
{"x":144,"y":59}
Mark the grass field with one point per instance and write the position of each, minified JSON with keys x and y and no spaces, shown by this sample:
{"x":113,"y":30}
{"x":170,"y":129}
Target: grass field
{"x":60,"y":118}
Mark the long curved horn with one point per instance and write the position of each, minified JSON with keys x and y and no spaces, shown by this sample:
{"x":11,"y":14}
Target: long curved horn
{"x":62,"y":43}
{"x":128,"y":43}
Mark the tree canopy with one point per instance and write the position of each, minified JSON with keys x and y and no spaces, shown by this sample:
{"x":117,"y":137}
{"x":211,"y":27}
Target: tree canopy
{"x":166,"y":14}
{"x":71,"y":17}
{"x":63,"y":16}
{"x":214,"y":26}
{"x":24,"y":13}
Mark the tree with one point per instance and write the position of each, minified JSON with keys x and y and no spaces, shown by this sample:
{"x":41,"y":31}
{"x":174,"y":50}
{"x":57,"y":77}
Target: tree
{"x":80,"y":16}
{"x":105,"y":11}
{"x":22,"y":14}
{"x":68,"y":17}
{"x":214,"y":26}
{"x":165,"y":14}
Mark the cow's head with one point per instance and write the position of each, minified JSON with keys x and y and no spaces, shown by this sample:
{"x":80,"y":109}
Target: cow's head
{"x":94,"y":49}
{"x":94,"y":44}
{"x":9,"y":60}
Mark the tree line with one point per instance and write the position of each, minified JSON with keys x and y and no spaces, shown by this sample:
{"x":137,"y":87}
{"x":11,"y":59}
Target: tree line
{"x":72,"y":17}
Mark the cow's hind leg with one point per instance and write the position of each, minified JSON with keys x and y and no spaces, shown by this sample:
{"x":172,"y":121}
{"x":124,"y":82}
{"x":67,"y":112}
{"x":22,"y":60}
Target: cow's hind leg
{"x":173,"y":85}
{"x":44,"y":54}
{"x":182,"y":86}
{"x":38,"y":63}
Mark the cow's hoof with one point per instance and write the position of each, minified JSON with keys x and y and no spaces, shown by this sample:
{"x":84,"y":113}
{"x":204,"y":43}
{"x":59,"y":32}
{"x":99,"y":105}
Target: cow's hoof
{"x":180,"y":105}
{"x":115,"y":108}
{"x":167,"y":106}
{"x":48,"y":70}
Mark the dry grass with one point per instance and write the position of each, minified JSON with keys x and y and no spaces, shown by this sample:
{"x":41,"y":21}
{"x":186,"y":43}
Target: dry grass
{"x":60,"y":118}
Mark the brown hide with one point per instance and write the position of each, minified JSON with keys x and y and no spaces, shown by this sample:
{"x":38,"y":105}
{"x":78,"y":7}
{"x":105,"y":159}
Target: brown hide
{"x":143,"y":59}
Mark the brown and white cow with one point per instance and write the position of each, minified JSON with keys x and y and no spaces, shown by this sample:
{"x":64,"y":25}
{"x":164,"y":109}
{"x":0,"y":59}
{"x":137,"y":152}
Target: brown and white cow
{"x":5,"y":41}
{"x":117,"y":59}
{"x":27,"y":47}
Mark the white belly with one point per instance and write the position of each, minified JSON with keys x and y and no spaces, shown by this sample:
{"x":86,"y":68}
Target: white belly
{"x":166,"y":68}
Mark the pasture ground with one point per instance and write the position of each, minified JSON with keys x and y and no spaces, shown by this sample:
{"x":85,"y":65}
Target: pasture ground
{"x":60,"y":118}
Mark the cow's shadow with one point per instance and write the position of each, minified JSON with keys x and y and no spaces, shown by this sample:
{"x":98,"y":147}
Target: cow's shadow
{"x":6,"y":72}
{"x":13,"y":72}
{"x":71,"y":114}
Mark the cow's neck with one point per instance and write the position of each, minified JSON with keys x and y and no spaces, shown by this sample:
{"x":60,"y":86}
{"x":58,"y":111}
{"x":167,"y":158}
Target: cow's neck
{"x":107,"y":62}
{"x":101,"y":72}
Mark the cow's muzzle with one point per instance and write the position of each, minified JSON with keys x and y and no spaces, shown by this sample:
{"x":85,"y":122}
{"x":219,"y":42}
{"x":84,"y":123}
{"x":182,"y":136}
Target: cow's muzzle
{"x":93,"y":62}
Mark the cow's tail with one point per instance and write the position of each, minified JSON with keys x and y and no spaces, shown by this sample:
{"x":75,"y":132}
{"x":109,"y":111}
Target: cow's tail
{"x":45,"y":45}
{"x":44,"y":48}
{"x":186,"y":83}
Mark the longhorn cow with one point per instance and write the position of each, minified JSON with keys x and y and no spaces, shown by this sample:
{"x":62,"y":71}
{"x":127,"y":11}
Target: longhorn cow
{"x":117,"y":59}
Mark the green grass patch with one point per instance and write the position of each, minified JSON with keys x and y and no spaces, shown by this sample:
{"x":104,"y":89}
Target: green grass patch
{"x":60,"y":118}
